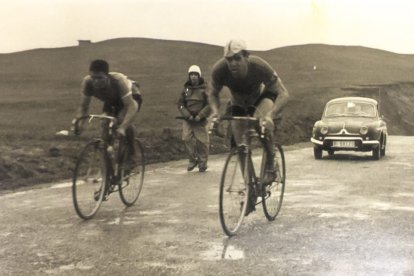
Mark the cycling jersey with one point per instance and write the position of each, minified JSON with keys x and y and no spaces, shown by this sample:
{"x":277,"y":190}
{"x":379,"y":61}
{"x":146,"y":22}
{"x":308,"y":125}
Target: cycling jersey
{"x":260,"y":81}
{"x":119,"y":87}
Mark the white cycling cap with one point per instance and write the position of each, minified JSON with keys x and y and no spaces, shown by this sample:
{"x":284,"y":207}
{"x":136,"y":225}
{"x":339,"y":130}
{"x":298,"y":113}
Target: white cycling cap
{"x":233,"y":47}
{"x":194,"y":69}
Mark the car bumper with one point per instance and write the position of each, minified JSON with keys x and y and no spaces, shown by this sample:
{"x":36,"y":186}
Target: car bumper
{"x":359,"y":144}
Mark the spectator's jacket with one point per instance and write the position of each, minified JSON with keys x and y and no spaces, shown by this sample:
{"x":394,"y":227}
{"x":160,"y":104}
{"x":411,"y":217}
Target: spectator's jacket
{"x":193,"y":100}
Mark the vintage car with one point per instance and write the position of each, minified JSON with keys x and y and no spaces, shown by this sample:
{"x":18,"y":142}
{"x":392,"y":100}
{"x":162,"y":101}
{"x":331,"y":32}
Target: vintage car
{"x":350,"y":124}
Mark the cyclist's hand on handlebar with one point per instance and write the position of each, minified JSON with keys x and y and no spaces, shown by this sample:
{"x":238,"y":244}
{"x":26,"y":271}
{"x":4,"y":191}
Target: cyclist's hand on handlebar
{"x":77,"y":126}
{"x":266,"y":123}
{"x":215,"y":117}
{"x":120,"y":131}
{"x":214,"y":125}
{"x":197,"y":118}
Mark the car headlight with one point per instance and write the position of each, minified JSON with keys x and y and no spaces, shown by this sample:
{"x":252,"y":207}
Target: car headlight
{"x":324,"y":130}
{"x":363,"y":130}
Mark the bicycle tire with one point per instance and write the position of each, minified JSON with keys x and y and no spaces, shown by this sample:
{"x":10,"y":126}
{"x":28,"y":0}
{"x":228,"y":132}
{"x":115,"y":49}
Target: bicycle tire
{"x":232,"y":213}
{"x":89,"y":180}
{"x":272,"y":195}
{"x":132,"y":179}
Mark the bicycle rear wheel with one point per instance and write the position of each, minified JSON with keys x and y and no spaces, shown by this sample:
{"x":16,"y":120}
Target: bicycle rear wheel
{"x":89,"y":180}
{"x":132,"y":174}
{"x":273,"y":193}
{"x":233,"y":195}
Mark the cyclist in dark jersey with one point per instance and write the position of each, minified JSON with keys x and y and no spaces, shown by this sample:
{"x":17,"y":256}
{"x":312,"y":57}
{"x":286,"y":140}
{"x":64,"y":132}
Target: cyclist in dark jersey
{"x":120,"y":95}
{"x":256,"y":90}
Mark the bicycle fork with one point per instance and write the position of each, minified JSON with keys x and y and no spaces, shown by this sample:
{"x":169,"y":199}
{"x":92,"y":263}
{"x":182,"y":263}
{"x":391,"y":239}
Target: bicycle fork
{"x":249,"y":175}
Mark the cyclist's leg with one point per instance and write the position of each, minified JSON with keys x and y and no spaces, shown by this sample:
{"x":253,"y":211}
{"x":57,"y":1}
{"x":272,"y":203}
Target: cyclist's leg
{"x":237,"y":127}
{"x":264,"y":106}
{"x":130,"y":134}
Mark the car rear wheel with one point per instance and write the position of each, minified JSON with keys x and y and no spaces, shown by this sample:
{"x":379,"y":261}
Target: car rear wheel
{"x":317,"y":152}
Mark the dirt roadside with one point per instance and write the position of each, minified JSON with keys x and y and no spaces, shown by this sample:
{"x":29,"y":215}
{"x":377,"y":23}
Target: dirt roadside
{"x":27,"y":163}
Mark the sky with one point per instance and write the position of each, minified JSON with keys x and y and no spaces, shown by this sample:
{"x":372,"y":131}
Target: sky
{"x":263,"y":24}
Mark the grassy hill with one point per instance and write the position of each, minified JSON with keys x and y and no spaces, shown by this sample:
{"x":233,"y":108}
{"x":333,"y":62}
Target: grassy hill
{"x":39,"y":92}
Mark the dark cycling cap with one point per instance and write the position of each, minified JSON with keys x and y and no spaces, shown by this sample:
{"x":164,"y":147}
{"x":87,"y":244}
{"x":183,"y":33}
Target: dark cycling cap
{"x":99,"y":65}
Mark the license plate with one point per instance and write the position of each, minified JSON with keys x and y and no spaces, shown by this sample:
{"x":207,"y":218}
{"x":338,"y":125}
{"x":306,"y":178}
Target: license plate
{"x":344,"y":144}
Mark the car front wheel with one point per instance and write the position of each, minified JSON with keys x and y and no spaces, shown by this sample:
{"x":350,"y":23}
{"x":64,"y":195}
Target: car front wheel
{"x":317,"y":152}
{"x":376,"y":152}
{"x":383,"y":146}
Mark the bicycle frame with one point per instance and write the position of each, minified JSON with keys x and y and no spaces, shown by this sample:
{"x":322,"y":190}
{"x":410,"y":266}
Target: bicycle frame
{"x":250,"y":178}
{"x":108,"y":139}
{"x":105,"y":166}
{"x":245,"y":188}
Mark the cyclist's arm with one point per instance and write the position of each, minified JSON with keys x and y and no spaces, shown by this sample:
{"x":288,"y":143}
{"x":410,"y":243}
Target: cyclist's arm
{"x":129,"y":103}
{"x":282,"y":97}
{"x":131,"y":107}
{"x":84,"y":106}
{"x":214,"y":99}
{"x":85,"y":99}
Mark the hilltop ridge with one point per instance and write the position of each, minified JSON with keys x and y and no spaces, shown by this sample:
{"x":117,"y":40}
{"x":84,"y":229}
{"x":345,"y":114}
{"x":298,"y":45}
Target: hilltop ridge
{"x":40,"y":92}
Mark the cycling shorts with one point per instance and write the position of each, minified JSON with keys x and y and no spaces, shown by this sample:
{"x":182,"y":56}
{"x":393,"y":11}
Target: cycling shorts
{"x":236,"y":110}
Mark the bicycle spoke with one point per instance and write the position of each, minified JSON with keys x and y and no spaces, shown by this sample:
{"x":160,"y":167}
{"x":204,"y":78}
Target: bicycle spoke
{"x":132,"y":175}
{"x":233,"y":196}
{"x":273,"y":193}
{"x":88,"y":181}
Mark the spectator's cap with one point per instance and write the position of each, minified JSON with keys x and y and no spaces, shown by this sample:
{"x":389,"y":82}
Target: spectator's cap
{"x":194,"y":69}
{"x":233,"y":47}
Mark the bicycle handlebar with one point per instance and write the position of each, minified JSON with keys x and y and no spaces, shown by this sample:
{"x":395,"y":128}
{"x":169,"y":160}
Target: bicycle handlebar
{"x":76,"y":128}
{"x":236,"y":118}
{"x":99,"y":116}
{"x":239,"y":118}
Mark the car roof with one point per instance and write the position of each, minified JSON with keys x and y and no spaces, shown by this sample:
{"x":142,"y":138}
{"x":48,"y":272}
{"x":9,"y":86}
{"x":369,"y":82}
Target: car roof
{"x":360,"y":99}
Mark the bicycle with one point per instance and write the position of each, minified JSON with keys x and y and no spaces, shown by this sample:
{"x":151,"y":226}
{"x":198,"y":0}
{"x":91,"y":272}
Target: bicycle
{"x":105,"y":166}
{"x":240,"y":185}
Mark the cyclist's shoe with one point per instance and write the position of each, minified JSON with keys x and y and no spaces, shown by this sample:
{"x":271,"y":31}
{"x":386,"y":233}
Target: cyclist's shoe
{"x":269,"y":173}
{"x":202,"y":167}
{"x":97,"y":194}
{"x":258,"y":189}
{"x":132,"y":165}
{"x":250,"y":208}
{"x":191,"y":166}
{"x":269,"y":177}
{"x":251,"y":205}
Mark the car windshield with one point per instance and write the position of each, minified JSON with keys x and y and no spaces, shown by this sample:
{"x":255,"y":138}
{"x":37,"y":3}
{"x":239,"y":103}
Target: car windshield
{"x":350,"y":108}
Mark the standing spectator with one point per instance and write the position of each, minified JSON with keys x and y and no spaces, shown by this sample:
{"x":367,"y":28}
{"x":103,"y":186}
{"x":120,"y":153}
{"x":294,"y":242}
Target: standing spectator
{"x":193,"y":105}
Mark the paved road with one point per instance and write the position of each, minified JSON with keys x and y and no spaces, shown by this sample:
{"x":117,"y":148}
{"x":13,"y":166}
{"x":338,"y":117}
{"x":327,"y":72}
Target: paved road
{"x":346,"y":215}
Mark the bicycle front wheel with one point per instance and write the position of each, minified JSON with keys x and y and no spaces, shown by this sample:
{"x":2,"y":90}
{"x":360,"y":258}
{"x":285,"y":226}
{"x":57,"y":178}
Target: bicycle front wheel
{"x":273,"y":193}
{"x":132,"y":174}
{"x":234,"y":193}
{"x":89,"y":178}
